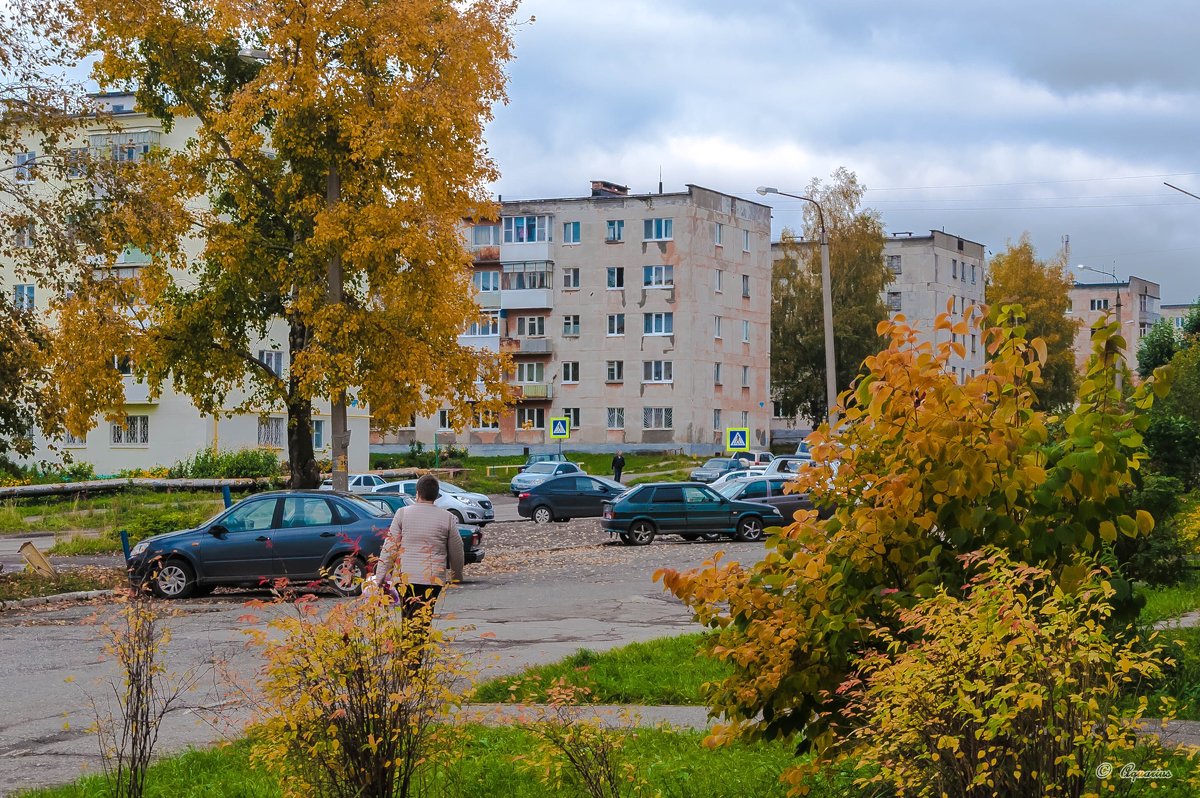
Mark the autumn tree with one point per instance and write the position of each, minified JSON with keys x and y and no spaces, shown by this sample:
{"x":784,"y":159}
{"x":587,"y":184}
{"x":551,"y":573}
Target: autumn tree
{"x":1042,"y":289}
{"x":859,"y":276}
{"x":1157,"y":347}
{"x":337,"y":149}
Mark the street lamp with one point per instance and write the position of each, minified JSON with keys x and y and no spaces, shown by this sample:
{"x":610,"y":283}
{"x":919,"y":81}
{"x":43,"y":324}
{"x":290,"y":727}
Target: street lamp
{"x":826,"y":300}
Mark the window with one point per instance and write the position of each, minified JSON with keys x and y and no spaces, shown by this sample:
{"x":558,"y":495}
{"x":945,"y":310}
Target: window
{"x":658,"y":323}
{"x":124,"y":365}
{"x":531,"y":372}
{"x":745,"y":418}
{"x":1099,"y":304}
{"x":657,"y":418}
{"x":616,"y":323}
{"x":531,"y":417}
{"x":718,"y":233}
{"x":745,"y":241}
{"x":893,"y":263}
{"x":273,"y":360}
{"x":486,"y":282}
{"x":72,"y":439}
{"x":953,"y":268}
{"x":23,"y":236}
{"x":745,"y":376}
{"x":23,"y":297}
{"x":135,"y":431}
{"x":746,"y":286}
{"x":572,"y":414}
{"x":658,"y":276}
{"x":571,"y":326}
{"x":318,"y":434}
{"x":616,"y":418}
{"x":972,"y":273}
{"x":489,"y":325}
{"x":531,"y":326}
{"x":25,"y":167}
{"x":893,"y":300}
{"x":124,"y":147}
{"x":270,"y":432}
{"x":615,"y":231}
{"x":527,"y":274}
{"x":305,"y":511}
{"x":716,"y":419}
{"x":570,"y":232}
{"x":526,"y":229}
{"x":717,"y":280}
{"x":745,"y":332}
{"x":716,"y":373}
{"x":656,"y":371}
{"x":485,"y":420}
{"x":616,"y":277}
{"x":1147,"y":303}
{"x":570,"y":371}
{"x":616,"y":371}
{"x":570,"y":278}
{"x":444,"y":419}
{"x":253,"y":516}
{"x":658,"y":230}
{"x":716,"y":326}
{"x":486,"y":235}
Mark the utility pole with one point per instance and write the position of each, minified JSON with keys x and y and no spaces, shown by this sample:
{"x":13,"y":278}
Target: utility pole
{"x":340,"y":441}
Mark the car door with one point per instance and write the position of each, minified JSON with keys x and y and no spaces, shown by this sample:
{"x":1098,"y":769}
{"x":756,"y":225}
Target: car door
{"x":239,"y":545}
{"x":787,"y":503}
{"x":707,"y":510}
{"x":667,"y":509}
{"x":562,"y":494}
{"x":592,"y":495}
{"x":307,"y":530}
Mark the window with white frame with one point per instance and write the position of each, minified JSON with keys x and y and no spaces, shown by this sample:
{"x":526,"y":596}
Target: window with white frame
{"x":71,"y":439}
{"x":616,"y":277}
{"x":972,"y":273}
{"x":570,"y":277}
{"x":484,"y":419}
{"x":443,"y":420}
{"x":658,"y":230}
{"x":745,"y":418}
{"x":573,"y":416}
{"x":745,"y":332}
{"x":23,"y":236}
{"x":318,"y":434}
{"x":1099,"y":304}
{"x":272,"y":359}
{"x":570,"y":371}
{"x":124,"y":147}
{"x":25,"y":165}
{"x":746,"y":286}
{"x":271,"y":432}
{"x":412,"y":422}
{"x":661,"y":276}
{"x":521,"y":275}
{"x":658,"y":323}
{"x":616,"y":323}
{"x":616,"y":418}
{"x":657,"y":371}
{"x":124,"y":365}
{"x":486,"y":235}
{"x":488,"y":325}
{"x":716,"y":326}
{"x":717,"y":419}
{"x":570,"y":232}
{"x":614,"y":231}
{"x":23,"y":297}
{"x":893,"y":301}
{"x":571,"y":326}
{"x":717,"y":280}
{"x":486,"y":282}
{"x":953,"y":268}
{"x":531,"y":326}
{"x":531,"y":372}
{"x":135,"y":431}
{"x":526,"y":229}
{"x":718,"y":233}
{"x":531,"y":417}
{"x":657,"y":418}
{"x":745,"y":376}
{"x":716,"y":373}
{"x":615,"y":371}
{"x":77,"y":163}
{"x":893,"y":263}
{"x":745,"y":241}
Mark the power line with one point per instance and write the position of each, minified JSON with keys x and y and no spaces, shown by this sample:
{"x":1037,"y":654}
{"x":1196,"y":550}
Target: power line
{"x":1035,"y":182}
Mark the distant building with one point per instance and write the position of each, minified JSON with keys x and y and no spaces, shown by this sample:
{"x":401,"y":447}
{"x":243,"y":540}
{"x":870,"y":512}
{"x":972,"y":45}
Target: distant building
{"x":1133,"y":303}
{"x":1176,"y":313}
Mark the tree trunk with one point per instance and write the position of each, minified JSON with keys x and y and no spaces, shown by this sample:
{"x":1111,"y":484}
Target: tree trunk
{"x":340,"y":438}
{"x":302,"y":464}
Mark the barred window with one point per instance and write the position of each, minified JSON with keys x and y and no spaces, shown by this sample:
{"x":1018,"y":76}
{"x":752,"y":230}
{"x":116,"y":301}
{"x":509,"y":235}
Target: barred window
{"x":657,"y":418}
{"x":135,"y":431}
{"x":271,"y":432}
{"x":616,"y":418}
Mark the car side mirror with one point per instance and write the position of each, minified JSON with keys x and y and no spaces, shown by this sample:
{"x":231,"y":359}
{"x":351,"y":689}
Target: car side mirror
{"x":217,"y":531}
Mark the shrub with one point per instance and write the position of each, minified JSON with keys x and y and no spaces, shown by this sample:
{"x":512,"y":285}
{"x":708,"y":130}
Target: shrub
{"x":243,"y":463}
{"x":1160,"y":558}
{"x":1174,"y":445}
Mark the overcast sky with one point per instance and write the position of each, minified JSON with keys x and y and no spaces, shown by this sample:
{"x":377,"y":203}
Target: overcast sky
{"x":986,"y":119}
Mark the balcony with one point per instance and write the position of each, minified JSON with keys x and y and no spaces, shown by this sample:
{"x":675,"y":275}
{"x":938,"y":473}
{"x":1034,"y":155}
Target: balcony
{"x":488,"y":300}
{"x":137,"y":393}
{"x":535,"y":391}
{"x":526,"y":298}
{"x":526,"y":346}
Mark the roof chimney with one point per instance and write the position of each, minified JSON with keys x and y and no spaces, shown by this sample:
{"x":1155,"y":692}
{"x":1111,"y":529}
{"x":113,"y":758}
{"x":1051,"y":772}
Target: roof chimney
{"x":605,"y":188}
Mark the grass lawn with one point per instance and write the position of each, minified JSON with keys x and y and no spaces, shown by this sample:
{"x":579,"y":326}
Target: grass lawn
{"x":666,"y":670}
{"x":1163,"y":603}
{"x":114,"y":511}
{"x":140,"y":523}
{"x":26,"y":584}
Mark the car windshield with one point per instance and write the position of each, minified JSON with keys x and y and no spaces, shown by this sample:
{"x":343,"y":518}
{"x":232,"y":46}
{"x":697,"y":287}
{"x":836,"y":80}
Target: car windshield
{"x":371,"y":509}
{"x":446,"y":487}
{"x":716,"y":463}
{"x":541,"y":468}
{"x":730,"y":489}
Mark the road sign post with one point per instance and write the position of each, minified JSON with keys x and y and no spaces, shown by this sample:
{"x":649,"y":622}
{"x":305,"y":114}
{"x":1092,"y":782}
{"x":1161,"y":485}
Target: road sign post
{"x":560,"y":430}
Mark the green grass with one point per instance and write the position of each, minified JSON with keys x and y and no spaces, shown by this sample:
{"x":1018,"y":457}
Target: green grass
{"x":1164,"y":603}
{"x":666,"y":670}
{"x":102,"y":512}
{"x":140,"y":524}
{"x":27,"y":584}
{"x":682,"y":475}
{"x":1182,"y":681}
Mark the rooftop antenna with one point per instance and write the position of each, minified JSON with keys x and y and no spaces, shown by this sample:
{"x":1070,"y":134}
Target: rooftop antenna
{"x":1067,"y":248}
{"x":660,"y":178}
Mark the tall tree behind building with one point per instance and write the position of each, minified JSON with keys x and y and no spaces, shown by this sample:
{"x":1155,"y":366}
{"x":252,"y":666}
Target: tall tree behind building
{"x":859,"y":277}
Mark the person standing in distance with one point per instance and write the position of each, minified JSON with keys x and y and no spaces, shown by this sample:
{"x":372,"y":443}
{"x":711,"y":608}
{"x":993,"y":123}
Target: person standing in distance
{"x":423,"y":539}
{"x":618,"y":465}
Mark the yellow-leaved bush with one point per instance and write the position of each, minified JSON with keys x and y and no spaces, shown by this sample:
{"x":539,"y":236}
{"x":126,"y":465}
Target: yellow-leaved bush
{"x":923,"y":468}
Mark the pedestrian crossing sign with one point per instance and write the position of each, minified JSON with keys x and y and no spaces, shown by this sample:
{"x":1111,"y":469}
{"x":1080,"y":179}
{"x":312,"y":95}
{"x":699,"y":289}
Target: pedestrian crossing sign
{"x":737,"y":439}
{"x":560,"y":427}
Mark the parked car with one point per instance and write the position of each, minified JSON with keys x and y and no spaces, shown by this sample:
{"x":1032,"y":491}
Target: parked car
{"x":565,"y":497}
{"x":757,"y":458}
{"x":768,"y":490}
{"x":803,"y":450}
{"x":685,"y":509}
{"x":539,"y":473}
{"x":468,"y":507}
{"x":301,"y":535}
{"x":550,"y":457}
{"x":787,"y":464}
{"x":358,"y":483}
{"x":739,"y":474}
{"x":472,"y":536}
{"x":716,"y":467}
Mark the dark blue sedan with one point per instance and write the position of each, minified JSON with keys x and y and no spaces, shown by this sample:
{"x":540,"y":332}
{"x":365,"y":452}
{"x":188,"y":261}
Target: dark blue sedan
{"x":301,"y":536}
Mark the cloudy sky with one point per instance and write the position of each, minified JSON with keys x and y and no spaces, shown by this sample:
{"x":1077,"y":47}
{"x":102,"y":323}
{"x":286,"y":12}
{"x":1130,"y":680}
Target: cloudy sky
{"x":986,"y":119}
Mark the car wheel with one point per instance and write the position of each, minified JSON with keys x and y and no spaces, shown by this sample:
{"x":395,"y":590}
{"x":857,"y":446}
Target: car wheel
{"x":457,"y":515}
{"x":690,"y":536}
{"x":346,"y":574}
{"x":542,"y":514}
{"x":174,"y":580}
{"x":750,"y":529}
{"x":641,"y":533}
{"x":711,"y":537}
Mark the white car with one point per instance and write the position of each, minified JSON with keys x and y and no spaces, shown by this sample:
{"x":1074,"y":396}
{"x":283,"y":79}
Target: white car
{"x":467,"y":507}
{"x":753,"y":471}
{"x":358,"y":483}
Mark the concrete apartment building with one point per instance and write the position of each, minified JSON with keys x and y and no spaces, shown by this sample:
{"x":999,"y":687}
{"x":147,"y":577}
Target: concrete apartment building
{"x":169,"y":428}
{"x":1134,"y":303}
{"x":1176,"y":313}
{"x":644,"y":319}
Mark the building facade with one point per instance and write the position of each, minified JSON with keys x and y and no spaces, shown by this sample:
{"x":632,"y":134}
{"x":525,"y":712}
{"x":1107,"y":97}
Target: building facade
{"x":1176,"y":313}
{"x":1134,"y":304}
{"x":643,"y":319}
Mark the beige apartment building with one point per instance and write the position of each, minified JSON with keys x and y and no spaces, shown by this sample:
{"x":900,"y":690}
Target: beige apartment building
{"x":1133,"y":303}
{"x":1176,"y":313}
{"x":643,"y":319}
{"x":164,"y":430}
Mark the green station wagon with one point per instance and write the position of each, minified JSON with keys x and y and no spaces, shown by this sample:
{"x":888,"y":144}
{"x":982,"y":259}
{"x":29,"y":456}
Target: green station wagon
{"x":686,"y":509}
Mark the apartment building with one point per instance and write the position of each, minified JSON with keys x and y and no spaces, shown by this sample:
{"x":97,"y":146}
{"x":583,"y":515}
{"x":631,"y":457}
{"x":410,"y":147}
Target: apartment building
{"x":1176,"y":313}
{"x":643,"y":319}
{"x":1133,"y":303}
{"x":165,"y":429}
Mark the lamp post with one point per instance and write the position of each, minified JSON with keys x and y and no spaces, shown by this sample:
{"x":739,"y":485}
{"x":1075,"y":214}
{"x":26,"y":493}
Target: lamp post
{"x":1116,"y":284}
{"x":826,"y":301}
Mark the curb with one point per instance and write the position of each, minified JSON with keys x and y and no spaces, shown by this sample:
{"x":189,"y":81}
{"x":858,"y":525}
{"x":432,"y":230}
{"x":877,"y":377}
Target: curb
{"x":57,"y":598}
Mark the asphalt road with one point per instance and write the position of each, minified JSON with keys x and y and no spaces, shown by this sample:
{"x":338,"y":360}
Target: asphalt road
{"x":542,"y":593}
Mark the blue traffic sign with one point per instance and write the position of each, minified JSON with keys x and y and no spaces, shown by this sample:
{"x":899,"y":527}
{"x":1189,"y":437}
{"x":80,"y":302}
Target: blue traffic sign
{"x":560,"y":427}
{"x":737,"y":439}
